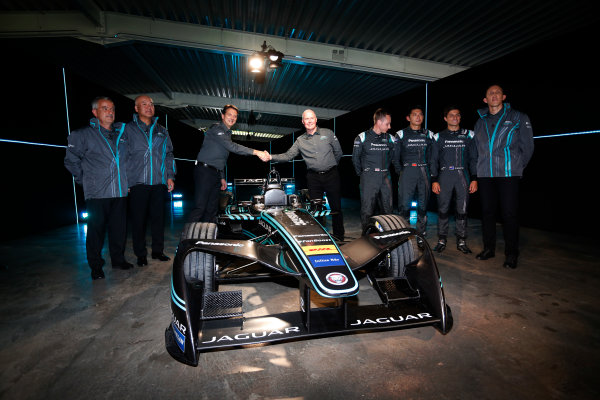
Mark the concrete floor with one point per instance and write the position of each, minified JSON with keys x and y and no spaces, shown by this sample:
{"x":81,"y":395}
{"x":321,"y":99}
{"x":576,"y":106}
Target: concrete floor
{"x":531,"y":333}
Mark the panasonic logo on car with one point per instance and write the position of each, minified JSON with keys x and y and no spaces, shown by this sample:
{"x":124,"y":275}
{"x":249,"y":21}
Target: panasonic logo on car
{"x":391,"y":235}
{"x":254,"y":335}
{"x":220,"y":244}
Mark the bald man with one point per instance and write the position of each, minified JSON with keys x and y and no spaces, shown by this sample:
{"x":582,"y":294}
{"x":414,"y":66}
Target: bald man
{"x":321,"y":152}
{"x":151,"y":174}
{"x":504,"y":139}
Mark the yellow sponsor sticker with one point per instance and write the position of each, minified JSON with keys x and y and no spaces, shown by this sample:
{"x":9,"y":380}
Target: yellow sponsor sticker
{"x":324,"y":249}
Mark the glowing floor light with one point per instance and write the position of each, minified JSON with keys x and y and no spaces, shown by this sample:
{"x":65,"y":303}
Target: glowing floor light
{"x":290,"y":188}
{"x":84,"y":215}
{"x":178,"y":204}
{"x":413,"y":216}
{"x":177,"y":195}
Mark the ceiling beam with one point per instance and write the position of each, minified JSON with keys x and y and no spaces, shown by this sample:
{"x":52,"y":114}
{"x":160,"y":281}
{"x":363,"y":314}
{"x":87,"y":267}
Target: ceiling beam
{"x":179,"y":100}
{"x":120,"y":28}
{"x":94,"y":13}
{"x":138,"y":59}
{"x":242,"y":126}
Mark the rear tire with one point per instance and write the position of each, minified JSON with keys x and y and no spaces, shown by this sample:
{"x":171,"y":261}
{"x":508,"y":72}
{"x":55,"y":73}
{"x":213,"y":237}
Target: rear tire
{"x":199,"y":267}
{"x":400,"y":256}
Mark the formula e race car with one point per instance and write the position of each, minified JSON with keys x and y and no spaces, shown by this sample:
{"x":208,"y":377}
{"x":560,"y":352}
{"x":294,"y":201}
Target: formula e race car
{"x":277,"y":234}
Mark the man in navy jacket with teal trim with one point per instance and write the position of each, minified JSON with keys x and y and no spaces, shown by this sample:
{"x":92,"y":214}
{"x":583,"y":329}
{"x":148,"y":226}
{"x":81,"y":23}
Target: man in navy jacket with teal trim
{"x":97,"y":158}
{"x":372,"y":155}
{"x":504,"y":140}
{"x":151,"y":174}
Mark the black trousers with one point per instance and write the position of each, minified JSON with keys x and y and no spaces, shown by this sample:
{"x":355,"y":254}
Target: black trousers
{"x":453,"y":182}
{"x":375,"y":190}
{"x":207,"y":185}
{"x":503,"y":192}
{"x":328,"y":182}
{"x":108,"y":213}
{"x":414,"y":184}
{"x":147,"y":202}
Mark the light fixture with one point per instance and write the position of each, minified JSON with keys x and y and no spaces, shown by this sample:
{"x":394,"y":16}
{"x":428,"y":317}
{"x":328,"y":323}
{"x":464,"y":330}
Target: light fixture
{"x":256,"y":63}
{"x":268,"y":55}
{"x":274,"y":58}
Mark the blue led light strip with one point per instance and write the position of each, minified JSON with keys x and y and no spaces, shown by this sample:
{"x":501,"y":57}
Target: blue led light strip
{"x":33,"y":143}
{"x":69,"y":134}
{"x":566,"y":134}
{"x":183,"y":159}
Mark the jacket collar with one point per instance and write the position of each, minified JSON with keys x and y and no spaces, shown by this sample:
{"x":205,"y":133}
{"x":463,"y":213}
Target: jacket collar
{"x":485,"y":112}
{"x":116,"y":126}
{"x":137,"y":119}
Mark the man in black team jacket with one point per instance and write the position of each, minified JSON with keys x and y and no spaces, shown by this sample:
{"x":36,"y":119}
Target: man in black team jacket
{"x":411,"y":161}
{"x":151,"y":174}
{"x":372,"y":154}
{"x":453,"y":171}
{"x":209,"y":174}
{"x":504,"y":139}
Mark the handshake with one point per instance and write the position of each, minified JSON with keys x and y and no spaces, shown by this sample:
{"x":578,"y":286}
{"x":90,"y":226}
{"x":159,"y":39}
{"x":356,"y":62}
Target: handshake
{"x":263,"y":155}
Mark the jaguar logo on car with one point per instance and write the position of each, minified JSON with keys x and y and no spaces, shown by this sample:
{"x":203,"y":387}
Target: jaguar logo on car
{"x":391,"y":320}
{"x":289,"y":331}
{"x":336,"y":278}
{"x":179,"y":332}
{"x":296,"y":220}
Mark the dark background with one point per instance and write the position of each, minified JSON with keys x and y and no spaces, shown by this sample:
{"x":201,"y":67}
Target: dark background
{"x":555,"y":83}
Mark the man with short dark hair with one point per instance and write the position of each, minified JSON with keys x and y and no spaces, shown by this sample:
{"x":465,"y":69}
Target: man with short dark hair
{"x":96,"y":156}
{"x":209,"y":174}
{"x":453,"y":171}
{"x":151,"y":174}
{"x":504,"y":139}
{"x":321,"y":152}
{"x":411,"y":161}
{"x":372,"y":154}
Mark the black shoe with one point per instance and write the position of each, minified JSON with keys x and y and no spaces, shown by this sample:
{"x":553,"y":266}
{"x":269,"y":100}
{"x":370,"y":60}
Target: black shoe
{"x":485,"y":254}
{"x":462,"y":246}
{"x":440,"y":246}
{"x":141,"y":261}
{"x":123,"y":265}
{"x":510,"y":263}
{"x":97,"y":273}
{"x":160,"y":257}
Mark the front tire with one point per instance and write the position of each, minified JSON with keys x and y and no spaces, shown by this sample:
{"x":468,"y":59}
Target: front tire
{"x":399,"y":257}
{"x":200,"y":267}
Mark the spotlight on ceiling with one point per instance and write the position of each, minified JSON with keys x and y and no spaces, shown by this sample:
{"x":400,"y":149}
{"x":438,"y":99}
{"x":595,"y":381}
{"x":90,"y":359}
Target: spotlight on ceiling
{"x":274,"y":58}
{"x":267,"y":54}
{"x":256,"y":63}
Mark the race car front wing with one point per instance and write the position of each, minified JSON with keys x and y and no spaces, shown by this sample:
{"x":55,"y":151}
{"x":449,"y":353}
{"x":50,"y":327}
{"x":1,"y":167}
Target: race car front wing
{"x":416,"y":299}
